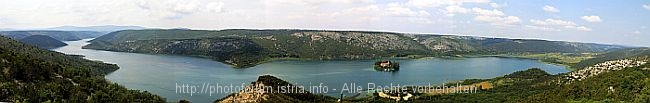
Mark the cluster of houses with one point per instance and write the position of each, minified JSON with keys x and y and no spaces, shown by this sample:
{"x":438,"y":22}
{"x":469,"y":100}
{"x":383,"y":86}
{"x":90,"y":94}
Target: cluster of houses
{"x":396,"y":96}
{"x":603,"y":67}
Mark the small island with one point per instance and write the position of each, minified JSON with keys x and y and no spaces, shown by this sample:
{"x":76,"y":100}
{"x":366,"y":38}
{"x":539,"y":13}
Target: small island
{"x":387,"y":66}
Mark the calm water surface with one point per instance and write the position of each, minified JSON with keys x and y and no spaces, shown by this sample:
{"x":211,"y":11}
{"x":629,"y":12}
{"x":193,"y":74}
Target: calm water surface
{"x":159,"y":74}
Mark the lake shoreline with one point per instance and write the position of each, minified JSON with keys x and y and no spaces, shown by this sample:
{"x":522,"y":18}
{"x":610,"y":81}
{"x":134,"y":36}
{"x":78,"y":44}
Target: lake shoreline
{"x":408,"y":57}
{"x":157,"y":73}
{"x":568,"y":67}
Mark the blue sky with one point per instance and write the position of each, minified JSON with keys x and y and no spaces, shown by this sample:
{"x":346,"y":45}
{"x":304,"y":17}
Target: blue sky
{"x":596,"y":21}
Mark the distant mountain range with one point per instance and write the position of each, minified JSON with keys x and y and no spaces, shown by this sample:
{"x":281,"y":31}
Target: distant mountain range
{"x":103,"y":28}
{"x":245,"y":48}
{"x":59,"y":35}
{"x":6,"y":29}
{"x":100,"y":28}
{"x":63,"y":33}
{"x":49,"y":39}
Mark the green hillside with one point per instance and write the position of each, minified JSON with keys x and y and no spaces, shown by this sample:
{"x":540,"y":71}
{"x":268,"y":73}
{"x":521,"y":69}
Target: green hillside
{"x":69,"y":61}
{"x":29,"y":74}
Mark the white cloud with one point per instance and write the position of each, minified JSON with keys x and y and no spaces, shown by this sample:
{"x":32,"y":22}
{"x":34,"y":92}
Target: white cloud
{"x":646,"y":6}
{"x":591,"y":18}
{"x":438,"y":3}
{"x":308,"y":13}
{"x":498,"y":20}
{"x":495,"y":5}
{"x":362,"y":14}
{"x":395,"y":9}
{"x":555,"y":23}
{"x":494,"y":17}
{"x":368,"y":13}
{"x":143,"y":4}
{"x":453,"y":9}
{"x":315,"y":3}
{"x":581,"y":28}
{"x":456,"y":9}
{"x":176,"y":9}
{"x":636,"y":32}
{"x":493,"y":12}
{"x":216,"y":7}
{"x":183,"y":6}
{"x":403,"y":12}
{"x":550,"y":9}
{"x":542,"y":28}
{"x":334,"y":1}
{"x":420,"y":20}
{"x":2,"y":20}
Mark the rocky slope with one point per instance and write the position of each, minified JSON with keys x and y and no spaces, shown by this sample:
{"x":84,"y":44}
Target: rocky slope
{"x":244,"y":48}
{"x":257,"y":92}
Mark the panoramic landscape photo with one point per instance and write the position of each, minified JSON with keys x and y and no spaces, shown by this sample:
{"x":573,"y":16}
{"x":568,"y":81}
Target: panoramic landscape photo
{"x":324,"y":51}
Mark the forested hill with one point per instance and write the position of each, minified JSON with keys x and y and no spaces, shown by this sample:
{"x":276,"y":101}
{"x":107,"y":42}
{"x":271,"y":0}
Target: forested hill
{"x":33,"y":75}
{"x":42,"y":41}
{"x":68,"y":61}
{"x":243,"y":48}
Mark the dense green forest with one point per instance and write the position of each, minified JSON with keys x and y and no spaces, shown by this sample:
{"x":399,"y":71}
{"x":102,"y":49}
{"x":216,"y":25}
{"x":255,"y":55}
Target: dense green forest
{"x":29,"y":74}
{"x":71,"y":61}
{"x":245,"y":48}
